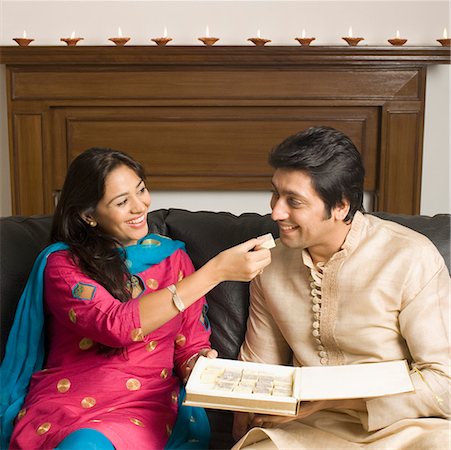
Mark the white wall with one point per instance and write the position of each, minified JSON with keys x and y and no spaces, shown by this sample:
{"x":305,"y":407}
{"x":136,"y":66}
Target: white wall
{"x":233,"y":22}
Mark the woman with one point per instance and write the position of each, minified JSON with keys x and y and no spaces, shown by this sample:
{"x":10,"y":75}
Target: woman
{"x":125,"y":321}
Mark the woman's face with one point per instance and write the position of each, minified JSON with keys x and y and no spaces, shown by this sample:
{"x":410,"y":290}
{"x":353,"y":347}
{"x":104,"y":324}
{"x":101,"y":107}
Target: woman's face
{"x":122,"y":212}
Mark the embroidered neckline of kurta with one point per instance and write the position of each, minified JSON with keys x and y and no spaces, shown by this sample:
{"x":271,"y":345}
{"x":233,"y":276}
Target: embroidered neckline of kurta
{"x":322,"y":294}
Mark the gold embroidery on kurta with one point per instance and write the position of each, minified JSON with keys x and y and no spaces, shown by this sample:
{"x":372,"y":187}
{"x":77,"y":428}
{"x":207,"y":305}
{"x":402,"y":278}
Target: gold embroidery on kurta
{"x":180,"y":340}
{"x":21,"y":413}
{"x":150,"y":347}
{"x":85,"y":343}
{"x":88,"y":402}
{"x":134,"y":286}
{"x":137,"y":334}
{"x":164,"y":373}
{"x":42,"y":429}
{"x":63,"y":385}
{"x":136,"y":422}
{"x":72,"y":315}
{"x":174,"y":397}
{"x":133,"y":384}
{"x":152,"y":283}
{"x":84,"y":291}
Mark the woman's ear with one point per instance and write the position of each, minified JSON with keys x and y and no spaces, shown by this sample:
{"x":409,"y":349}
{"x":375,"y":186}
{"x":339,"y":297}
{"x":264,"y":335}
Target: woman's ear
{"x":89,"y":220}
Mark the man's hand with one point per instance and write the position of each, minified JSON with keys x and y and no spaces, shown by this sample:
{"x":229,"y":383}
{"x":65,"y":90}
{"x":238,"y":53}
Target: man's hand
{"x":241,"y":422}
{"x":306,"y":409}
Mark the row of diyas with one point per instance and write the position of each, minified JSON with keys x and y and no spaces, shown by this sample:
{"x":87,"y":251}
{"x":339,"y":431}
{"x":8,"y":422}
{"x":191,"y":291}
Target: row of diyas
{"x":208,"y":40}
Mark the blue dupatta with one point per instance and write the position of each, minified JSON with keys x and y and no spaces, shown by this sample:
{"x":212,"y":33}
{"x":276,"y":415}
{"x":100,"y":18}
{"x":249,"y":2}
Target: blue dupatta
{"x":25,"y":347}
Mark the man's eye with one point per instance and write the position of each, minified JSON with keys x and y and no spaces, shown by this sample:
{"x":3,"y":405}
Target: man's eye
{"x":295,"y":203}
{"x":142,"y":190}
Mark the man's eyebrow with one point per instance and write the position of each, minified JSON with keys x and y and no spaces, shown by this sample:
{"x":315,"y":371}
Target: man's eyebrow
{"x":289,"y":192}
{"x":125,"y":193}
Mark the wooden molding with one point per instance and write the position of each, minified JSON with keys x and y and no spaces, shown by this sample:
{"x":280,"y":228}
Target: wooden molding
{"x":219,"y":55}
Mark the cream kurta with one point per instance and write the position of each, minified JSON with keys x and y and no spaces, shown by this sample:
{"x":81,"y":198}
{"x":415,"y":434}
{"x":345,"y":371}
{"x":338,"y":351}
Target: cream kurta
{"x":384,"y":296}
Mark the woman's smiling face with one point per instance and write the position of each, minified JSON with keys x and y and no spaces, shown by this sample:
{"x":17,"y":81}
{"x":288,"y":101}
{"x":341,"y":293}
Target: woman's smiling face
{"x":122,"y":211}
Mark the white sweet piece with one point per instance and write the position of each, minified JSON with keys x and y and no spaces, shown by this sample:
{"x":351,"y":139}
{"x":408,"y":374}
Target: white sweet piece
{"x":268,"y":242}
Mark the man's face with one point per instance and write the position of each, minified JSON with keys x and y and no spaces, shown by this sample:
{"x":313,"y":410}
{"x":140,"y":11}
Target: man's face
{"x":301,"y":215}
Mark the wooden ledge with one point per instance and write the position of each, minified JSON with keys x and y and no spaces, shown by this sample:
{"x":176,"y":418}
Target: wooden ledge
{"x":280,"y":56}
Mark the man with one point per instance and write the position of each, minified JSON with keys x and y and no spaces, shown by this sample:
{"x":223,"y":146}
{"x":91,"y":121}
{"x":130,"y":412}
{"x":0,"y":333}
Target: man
{"x":346,"y":288}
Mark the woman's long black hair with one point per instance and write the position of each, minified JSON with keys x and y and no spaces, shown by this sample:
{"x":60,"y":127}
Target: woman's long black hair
{"x":94,"y":251}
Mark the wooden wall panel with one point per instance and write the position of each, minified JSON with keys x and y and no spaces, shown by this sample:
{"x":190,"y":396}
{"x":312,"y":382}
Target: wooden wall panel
{"x":204,"y":146}
{"x":28,"y":163}
{"x":219,"y":84}
{"x":401,"y":162}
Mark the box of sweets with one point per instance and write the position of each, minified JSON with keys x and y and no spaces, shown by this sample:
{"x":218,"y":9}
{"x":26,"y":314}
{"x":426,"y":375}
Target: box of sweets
{"x":279,"y":390}
{"x":243,"y":386}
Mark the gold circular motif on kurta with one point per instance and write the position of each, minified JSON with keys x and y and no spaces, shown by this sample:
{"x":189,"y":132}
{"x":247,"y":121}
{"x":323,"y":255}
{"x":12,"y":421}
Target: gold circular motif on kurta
{"x":180,"y":340}
{"x":72,"y":315}
{"x":164,"y":373}
{"x":180,"y":277}
{"x":95,"y":420}
{"x":137,"y":334}
{"x":88,"y":402}
{"x":174,"y":397}
{"x":152,"y":283}
{"x":21,"y":413}
{"x":168,"y":429}
{"x":133,"y":384}
{"x":136,"y":422}
{"x":63,"y":385}
{"x":151,"y":346}
{"x":152,"y":242}
{"x":85,"y":344}
{"x":42,"y":429}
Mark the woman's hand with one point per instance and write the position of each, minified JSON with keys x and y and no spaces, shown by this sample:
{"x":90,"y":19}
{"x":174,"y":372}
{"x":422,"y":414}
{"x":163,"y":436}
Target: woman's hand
{"x":239,"y":263}
{"x":189,"y":364}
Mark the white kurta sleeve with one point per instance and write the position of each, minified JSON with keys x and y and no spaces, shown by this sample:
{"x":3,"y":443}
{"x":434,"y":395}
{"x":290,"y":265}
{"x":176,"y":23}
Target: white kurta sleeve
{"x":424,"y":325}
{"x":263,"y":341}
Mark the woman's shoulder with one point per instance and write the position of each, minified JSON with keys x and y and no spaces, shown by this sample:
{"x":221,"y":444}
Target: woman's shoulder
{"x":61,"y":258}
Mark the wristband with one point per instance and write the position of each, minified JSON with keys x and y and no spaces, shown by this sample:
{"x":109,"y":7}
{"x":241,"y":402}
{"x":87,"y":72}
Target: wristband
{"x":178,"y":303}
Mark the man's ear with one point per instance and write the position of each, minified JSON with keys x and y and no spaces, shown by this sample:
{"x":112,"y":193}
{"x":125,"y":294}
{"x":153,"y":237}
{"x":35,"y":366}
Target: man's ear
{"x":341,"y":210}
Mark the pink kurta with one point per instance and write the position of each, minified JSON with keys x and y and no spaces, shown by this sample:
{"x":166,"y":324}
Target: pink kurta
{"x":130,"y":397}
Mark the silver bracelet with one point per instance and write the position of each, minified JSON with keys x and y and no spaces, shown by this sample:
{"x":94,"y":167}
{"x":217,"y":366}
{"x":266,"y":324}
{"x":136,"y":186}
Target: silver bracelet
{"x":178,"y":303}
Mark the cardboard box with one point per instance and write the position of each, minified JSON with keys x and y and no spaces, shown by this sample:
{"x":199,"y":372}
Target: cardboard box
{"x":307,"y":383}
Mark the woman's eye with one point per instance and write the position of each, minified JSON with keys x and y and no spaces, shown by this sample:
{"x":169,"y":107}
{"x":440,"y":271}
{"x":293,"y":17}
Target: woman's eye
{"x":122,"y":203}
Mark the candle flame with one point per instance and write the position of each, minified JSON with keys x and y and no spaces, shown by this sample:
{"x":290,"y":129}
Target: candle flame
{"x":119,"y":32}
{"x":445,"y":34}
{"x":397,"y":34}
{"x":165,"y":32}
{"x":24,"y":34}
{"x":350,"y":32}
{"x":258,"y":33}
{"x":207,"y":31}
{"x":303,"y":33}
{"x":72,"y":35}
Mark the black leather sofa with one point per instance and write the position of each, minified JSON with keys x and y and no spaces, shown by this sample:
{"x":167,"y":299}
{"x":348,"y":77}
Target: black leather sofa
{"x":205,"y":235}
